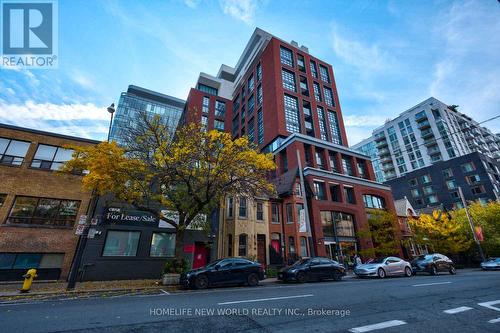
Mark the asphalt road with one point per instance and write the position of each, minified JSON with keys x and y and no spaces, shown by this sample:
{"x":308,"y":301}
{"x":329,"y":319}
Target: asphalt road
{"x":466,"y":302}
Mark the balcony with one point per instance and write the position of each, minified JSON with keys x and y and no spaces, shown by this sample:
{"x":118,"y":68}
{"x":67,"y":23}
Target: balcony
{"x":419,"y":117}
{"x":388,"y":166}
{"x":382,"y":144}
{"x":389,"y":175}
{"x":384,"y":152}
{"x":424,"y":124}
{"x":380,"y":137}
{"x":430,"y":142}
{"x":386,"y":159}
{"x":433,"y":150}
{"x":427,"y":133}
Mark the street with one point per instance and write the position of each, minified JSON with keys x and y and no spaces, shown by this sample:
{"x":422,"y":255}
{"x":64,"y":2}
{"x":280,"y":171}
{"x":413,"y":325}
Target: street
{"x":466,"y":302}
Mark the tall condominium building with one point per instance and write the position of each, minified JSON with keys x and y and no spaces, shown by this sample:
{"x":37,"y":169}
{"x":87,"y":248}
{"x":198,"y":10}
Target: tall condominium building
{"x":427,"y":133}
{"x":136,"y":100}
{"x":286,"y":102}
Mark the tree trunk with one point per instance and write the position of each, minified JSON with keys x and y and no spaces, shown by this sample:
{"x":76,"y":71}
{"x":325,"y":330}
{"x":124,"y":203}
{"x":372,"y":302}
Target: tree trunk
{"x":179,"y":244}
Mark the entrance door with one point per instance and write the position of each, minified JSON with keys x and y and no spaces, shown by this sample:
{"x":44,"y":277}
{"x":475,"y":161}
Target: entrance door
{"x":200,"y":255}
{"x":261,"y":249}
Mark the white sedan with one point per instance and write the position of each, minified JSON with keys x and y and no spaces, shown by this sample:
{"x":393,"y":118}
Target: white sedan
{"x":382,"y":267}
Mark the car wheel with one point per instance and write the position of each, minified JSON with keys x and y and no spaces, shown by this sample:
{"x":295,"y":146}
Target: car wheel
{"x":337,"y":276}
{"x":452,"y":270}
{"x":408,"y":272}
{"x":381,"y":273}
{"x":201,"y":282}
{"x":433,"y":270}
{"x":301,"y":277}
{"x":252,"y":280}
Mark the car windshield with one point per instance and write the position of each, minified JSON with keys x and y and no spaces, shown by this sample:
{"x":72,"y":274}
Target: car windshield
{"x":300,"y":262}
{"x":425,"y":257}
{"x":376,"y":261}
{"x":213,"y":263}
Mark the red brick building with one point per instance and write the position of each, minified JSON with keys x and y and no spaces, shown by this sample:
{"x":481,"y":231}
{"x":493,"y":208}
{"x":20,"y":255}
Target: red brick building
{"x":286,"y":102}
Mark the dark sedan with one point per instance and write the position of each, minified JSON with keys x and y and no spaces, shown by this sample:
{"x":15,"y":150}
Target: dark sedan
{"x":224,"y":272}
{"x":433,"y":264}
{"x":316,"y":268}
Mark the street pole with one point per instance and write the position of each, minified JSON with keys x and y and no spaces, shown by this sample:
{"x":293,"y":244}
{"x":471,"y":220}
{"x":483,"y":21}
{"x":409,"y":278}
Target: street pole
{"x":82,"y":241}
{"x":471,"y":224}
{"x":306,"y":210}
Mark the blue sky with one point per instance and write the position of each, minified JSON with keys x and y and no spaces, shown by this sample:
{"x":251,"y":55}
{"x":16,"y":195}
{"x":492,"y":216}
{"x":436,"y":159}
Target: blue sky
{"x":387,"y":56}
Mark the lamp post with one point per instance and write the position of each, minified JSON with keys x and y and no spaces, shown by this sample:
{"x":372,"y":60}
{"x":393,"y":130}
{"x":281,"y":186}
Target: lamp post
{"x":82,"y":241}
{"x":111,"y":110}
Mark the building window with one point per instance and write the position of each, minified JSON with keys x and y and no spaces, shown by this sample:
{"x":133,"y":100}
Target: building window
{"x":304,"y":88}
{"x":204,"y":121}
{"x":260,"y":127}
{"x":373,"y":201}
{"x":220,"y":109}
{"x":361,"y":168}
{"x":288,"y":78}
{"x":314,"y":72}
{"x":415,"y":192}
{"x":344,"y":224}
{"x":13,"y":151}
{"x":229,"y":245}
{"x":319,"y":159}
{"x":347,"y":165}
{"x":206,"y":104}
{"x":289,"y":213}
{"x":251,"y":84}
{"x":291,"y":245}
{"x":162,"y":244}
{"x":335,"y":192}
{"x":317,"y":92}
{"x":428,"y":190}
{"x":259,"y":72}
{"x":473,"y":179}
{"x":30,"y":260}
{"x":260,"y":211}
{"x":447,"y":173}
{"x":477,"y":190}
{"x":121,"y":243}
{"x":322,"y":123}
{"x":334,"y":127}
{"x":468,"y":167}
{"x":251,"y":130}
{"x":251,"y":104}
{"x":291,"y":114}
{"x":207,"y":89}
{"x":275,"y":213}
{"x":432,"y":199}
{"x":327,"y":223}
{"x":328,"y":96}
{"x":419,"y":202}
{"x":325,"y":77}
{"x":451,"y":184}
{"x":243,"y":208}
{"x":455,"y":195}
{"x":219,"y":125}
{"x":236,"y":104}
{"x":242,"y":246}
{"x":259,"y":94}
{"x":319,"y":190}
{"x":2,"y":199}
{"x":301,"y":63}
{"x":332,"y":162}
{"x":43,"y":211}
{"x":349,"y":195}
{"x":413,"y":182}
{"x":286,"y":56}
{"x":230,"y":207}
{"x":426,"y":179}
{"x":298,"y":190}
{"x":303,"y":247}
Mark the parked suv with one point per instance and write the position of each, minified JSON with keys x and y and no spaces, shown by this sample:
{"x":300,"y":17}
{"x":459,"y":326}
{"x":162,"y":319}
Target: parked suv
{"x":433,"y":263}
{"x":224,"y":272}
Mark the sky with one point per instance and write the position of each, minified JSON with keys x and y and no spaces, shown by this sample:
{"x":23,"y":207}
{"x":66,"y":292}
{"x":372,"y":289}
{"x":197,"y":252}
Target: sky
{"x":387,"y":56}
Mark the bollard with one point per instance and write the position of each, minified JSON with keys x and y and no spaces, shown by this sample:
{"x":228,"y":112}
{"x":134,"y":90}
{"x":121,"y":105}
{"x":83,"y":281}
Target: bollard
{"x":28,"y":280}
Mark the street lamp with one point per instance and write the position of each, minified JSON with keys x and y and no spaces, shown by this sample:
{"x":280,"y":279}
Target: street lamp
{"x":111,"y":110}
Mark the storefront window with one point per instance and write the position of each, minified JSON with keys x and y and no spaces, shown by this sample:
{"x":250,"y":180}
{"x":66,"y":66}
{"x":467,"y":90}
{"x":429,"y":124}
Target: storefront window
{"x":327,"y":223}
{"x":121,"y":243}
{"x":44,"y":211}
{"x":162,"y":245}
{"x":291,"y":244}
{"x":27,"y":260}
{"x":303,"y":247}
{"x":344,"y":224}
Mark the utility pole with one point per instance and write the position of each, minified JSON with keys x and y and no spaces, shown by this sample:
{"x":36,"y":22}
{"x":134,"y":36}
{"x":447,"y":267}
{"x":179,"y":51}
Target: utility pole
{"x":306,"y":210}
{"x":471,"y":223}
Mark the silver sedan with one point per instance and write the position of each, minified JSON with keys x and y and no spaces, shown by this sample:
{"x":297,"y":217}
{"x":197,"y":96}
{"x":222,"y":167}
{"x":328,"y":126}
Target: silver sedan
{"x":382,"y":267}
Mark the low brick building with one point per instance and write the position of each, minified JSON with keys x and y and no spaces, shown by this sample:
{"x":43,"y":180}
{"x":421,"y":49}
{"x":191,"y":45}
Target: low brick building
{"x":38,"y":207}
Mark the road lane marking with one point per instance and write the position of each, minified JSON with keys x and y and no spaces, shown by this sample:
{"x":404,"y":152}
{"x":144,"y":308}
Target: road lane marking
{"x":494,"y":321}
{"x":430,"y":284}
{"x":379,"y":326}
{"x":457,"y":310}
{"x":165,"y":292}
{"x":489,"y":305}
{"x":265,"y":299}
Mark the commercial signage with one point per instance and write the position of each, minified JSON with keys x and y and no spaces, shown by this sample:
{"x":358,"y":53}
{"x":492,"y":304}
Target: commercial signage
{"x":79,"y":229}
{"x":122,"y":216}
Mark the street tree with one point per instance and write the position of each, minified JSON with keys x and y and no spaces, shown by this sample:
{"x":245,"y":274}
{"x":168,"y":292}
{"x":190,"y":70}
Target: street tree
{"x":382,"y":231}
{"x":178,"y":178}
{"x":441,"y":232}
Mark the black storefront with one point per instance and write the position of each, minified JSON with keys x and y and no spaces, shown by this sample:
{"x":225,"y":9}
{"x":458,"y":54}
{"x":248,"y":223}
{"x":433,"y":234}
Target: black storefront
{"x":125,"y":243}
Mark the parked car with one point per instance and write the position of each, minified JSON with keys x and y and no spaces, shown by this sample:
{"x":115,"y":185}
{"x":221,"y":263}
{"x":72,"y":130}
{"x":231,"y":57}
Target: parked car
{"x":314,"y":268}
{"x":491,"y":264}
{"x":382,"y":267}
{"x":433,"y":263}
{"x":224,"y":272}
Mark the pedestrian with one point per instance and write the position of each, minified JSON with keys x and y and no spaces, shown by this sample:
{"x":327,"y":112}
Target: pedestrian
{"x":358,"y":260}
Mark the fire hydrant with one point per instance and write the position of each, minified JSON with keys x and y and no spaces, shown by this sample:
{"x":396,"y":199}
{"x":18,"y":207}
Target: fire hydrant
{"x":28,"y":280}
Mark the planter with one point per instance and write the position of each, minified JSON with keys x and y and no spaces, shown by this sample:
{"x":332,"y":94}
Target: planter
{"x":170,"y":279}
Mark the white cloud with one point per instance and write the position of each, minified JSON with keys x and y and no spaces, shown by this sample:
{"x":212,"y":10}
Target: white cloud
{"x":243,"y":10}
{"x":364,"y":120}
{"x":83,"y":79}
{"x":83,"y":120}
{"x":192,"y":3}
